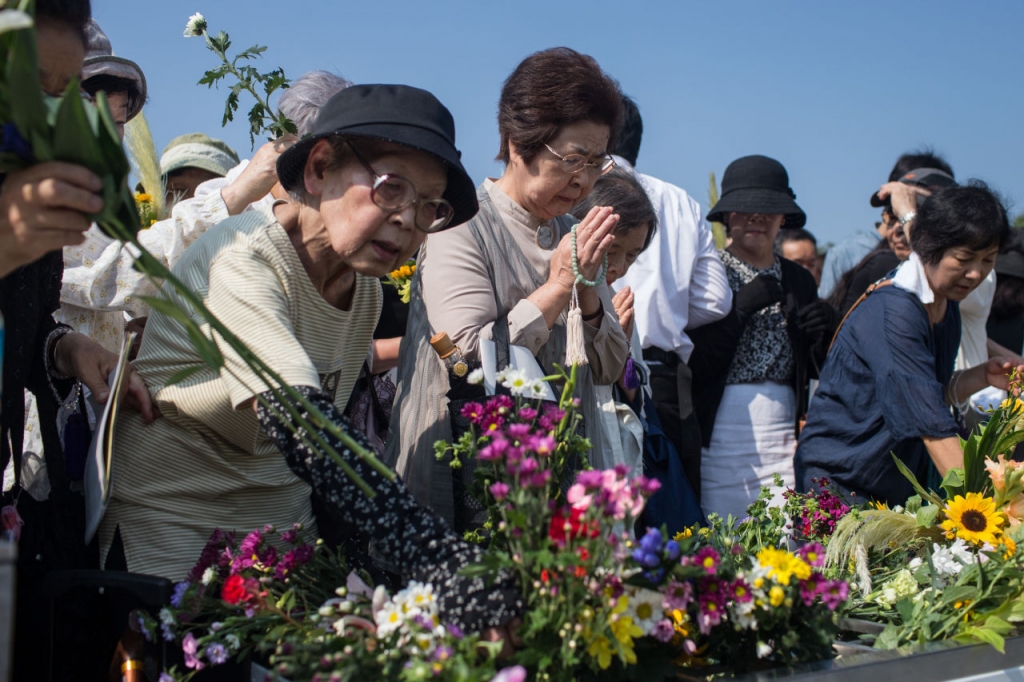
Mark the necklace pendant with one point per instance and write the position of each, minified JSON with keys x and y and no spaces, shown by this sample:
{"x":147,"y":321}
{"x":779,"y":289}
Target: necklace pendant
{"x":544,"y":237}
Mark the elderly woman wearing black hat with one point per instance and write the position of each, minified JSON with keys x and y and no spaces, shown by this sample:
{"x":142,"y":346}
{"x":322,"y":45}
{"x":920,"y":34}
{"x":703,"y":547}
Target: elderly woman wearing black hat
{"x":751,"y":369}
{"x":299,"y":285}
{"x":512,"y":264}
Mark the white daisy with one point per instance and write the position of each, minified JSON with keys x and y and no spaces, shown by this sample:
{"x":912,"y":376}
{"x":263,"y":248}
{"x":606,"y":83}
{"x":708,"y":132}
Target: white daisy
{"x":195,"y":26}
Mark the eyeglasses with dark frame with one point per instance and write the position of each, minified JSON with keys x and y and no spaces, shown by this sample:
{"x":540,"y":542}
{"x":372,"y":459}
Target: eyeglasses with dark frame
{"x":574,"y":163}
{"x":393,"y":193}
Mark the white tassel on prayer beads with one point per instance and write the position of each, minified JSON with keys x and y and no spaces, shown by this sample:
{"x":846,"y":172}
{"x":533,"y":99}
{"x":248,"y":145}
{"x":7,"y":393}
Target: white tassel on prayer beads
{"x":575,"y":346}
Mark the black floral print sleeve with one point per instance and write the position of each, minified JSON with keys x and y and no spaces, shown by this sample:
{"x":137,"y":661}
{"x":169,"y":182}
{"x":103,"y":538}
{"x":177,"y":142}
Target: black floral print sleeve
{"x":405,"y":533}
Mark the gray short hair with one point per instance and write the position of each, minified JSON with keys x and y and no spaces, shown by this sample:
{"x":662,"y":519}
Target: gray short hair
{"x":302,"y":100}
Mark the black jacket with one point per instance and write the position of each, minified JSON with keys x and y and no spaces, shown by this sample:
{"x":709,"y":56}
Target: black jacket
{"x":714,"y":346}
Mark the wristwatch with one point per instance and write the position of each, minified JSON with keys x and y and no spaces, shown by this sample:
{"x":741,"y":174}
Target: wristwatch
{"x":907,"y":217}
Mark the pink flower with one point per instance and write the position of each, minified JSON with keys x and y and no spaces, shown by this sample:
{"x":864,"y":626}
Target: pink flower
{"x":810,"y":588}
{"x":835,"y":593}
{"x":1015,"y":510}
{"x":474,"y":412}
{"x":708,"y":559}
{"x":998,"y":469}
{"x":590,"y":478}
{"x":491,"y":423}
{"x":499,"y":490}
{"x":678,"y":595}
{"x":663,"y":631}
{"x":494,"y":451}
{"x":813,"y":553}
{"x":516,"y":673}
{"x":527,"y":413}
{"x":578,"y":498}
{"x":544,"y":446}
{"x":518,"y":431}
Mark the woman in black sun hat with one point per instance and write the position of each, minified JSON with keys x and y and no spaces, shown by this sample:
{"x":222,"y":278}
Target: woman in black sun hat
{"x":751,"y":369}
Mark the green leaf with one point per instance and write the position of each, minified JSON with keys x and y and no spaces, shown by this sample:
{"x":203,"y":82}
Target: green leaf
{"x":973,"y":635}
{"x":74,"y":139}
{"x":183,"y":374}
{"x":205,"y":347}
{"x":913,"y":481}
{"x":953,"y":482}
{"x":913,"y":504}
{"x":22,"y":76}
{"x":168,"y":308}
{"x":211,"y":77}
{"x":926,"y":516}
{"x":889,"y":638}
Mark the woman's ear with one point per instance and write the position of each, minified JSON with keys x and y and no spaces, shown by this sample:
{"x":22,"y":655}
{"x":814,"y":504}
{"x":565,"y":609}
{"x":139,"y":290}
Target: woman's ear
{"x":320,"y":158}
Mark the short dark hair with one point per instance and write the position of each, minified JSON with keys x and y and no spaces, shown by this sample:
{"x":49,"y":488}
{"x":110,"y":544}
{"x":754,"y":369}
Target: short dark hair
{"x":1008,"y":301}
{"x":551,"y":89}
{"x":106,"y":83}
{"x":794,"y":234}
{"x":628,"y":144}
{"x":920,"y":158}
{"x":73,"y":13}
{"x":620,"y":189}
{"x":970,"y":216}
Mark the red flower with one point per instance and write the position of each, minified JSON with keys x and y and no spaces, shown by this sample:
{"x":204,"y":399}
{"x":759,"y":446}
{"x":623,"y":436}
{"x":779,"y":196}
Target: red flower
{"x":233,"y":591}
{"x":544,"y":577}
{"x":577,"y":528}
{"x":580,"y":572}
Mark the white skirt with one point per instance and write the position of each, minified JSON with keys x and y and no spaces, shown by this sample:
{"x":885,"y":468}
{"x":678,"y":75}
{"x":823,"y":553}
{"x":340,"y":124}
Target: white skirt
{"x":753,"y":440}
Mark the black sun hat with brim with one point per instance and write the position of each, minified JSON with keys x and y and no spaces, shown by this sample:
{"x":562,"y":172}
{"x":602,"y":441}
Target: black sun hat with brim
{"x":396,"y":113}
{"x":757,"y":184}
{"x":929,"y":178}
{"x":100,"y":61}
{"x":1010,"y":260}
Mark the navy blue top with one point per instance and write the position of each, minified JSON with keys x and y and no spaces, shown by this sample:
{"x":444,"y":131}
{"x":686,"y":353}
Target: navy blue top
{"x":882,"y":388}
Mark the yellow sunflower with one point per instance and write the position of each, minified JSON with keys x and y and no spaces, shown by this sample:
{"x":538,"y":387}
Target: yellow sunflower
{"x":973,"y":518}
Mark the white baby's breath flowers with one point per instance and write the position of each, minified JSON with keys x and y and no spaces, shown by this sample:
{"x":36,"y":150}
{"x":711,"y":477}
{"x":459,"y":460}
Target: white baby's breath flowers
{"x":209,"y":574}
{"x":195,"y":26}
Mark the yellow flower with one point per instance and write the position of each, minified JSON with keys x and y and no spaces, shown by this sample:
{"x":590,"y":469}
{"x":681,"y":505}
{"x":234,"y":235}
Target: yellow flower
{"x":783,"y":565}
{"x":1008,"y":545}
{"x":880,"y":506}
{"x":683,"y":534}
{"x":601,"y":649}
{"x":142,"y":197}
{"x":776,"y":595}
{"x":973,"y":519}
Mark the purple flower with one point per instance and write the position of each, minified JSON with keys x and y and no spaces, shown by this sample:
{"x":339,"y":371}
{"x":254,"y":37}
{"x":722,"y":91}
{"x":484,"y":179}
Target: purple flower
{"x":250,"y":545}
{"x":494,"y":451}
{"x":834,"y":593}
{"x":499,"y":404}
{"x":554,"y":413}
{"x":442,"y":653}
{"x":518,"y":431}
{"x":474,"y":412}
{"x":708,"y":559}
{"x":455,"y":631}
{"x":499,"y":490}
{"x":164,"y":677}
{"x":651,"y":541}
{"x":492,"y":423}
{"x":678,"y":595}
{"x":590,"y":478}
{"x":544,"y":446}
{"x":663,"y":630}
{"x":672,"y":550}
{"x":527,"y":413}
{"x":217,"y":654}
{"x":527,"y":466}
{"x":813,"y":553}
{"x":290,"y":536}
{"x":168,"y":634}
{"x":645,"y":559}
{"x":810,"y":588}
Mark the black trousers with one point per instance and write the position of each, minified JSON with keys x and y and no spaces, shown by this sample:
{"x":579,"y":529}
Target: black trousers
{"x":671,"y":392}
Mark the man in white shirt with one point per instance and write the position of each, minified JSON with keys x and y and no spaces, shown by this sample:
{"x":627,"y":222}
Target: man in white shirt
{"x":678,"y":283}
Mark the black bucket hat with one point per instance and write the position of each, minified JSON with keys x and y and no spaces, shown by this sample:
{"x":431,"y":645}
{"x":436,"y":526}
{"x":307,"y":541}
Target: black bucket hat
{"x":100,"y":61}
{"x":396,"y":113}
{"x":757,"y":184}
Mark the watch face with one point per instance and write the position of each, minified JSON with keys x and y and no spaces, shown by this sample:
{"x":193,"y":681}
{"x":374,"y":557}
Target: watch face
{"x":460,"y":369}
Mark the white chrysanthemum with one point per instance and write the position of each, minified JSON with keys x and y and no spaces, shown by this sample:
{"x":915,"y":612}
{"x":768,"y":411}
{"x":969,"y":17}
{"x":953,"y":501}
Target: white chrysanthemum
{"x":645,"y":608}
{"x":476,"y":376}
{"x":743,"y":614}
{"x":516,"y":382}
{"x":389,"y":619}
{"x":234,"y":644}
{"x":167,"y":618}
{"x":538,"y":389}
{"x":502,"y":373}
{"x":195,"y":26}
{"x":422,"y":597}
{"x":209,"y":574}
{"x":763,"y":650}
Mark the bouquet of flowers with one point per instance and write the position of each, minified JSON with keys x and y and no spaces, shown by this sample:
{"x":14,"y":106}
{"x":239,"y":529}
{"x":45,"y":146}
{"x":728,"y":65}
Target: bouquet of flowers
{"x":297,"y":606}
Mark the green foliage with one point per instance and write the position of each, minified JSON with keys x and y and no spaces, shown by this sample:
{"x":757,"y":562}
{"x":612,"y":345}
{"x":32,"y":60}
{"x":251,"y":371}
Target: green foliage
{"x":248,"y":78}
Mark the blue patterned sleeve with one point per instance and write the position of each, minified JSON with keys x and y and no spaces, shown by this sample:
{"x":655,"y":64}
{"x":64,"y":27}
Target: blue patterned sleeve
{"x":405,"y":533}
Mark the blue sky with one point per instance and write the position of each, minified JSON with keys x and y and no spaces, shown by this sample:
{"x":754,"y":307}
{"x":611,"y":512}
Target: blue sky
{"x":834,"y":90}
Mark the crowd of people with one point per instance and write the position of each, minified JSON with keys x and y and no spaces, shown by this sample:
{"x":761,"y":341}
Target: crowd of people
{"x":713,"y":368}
